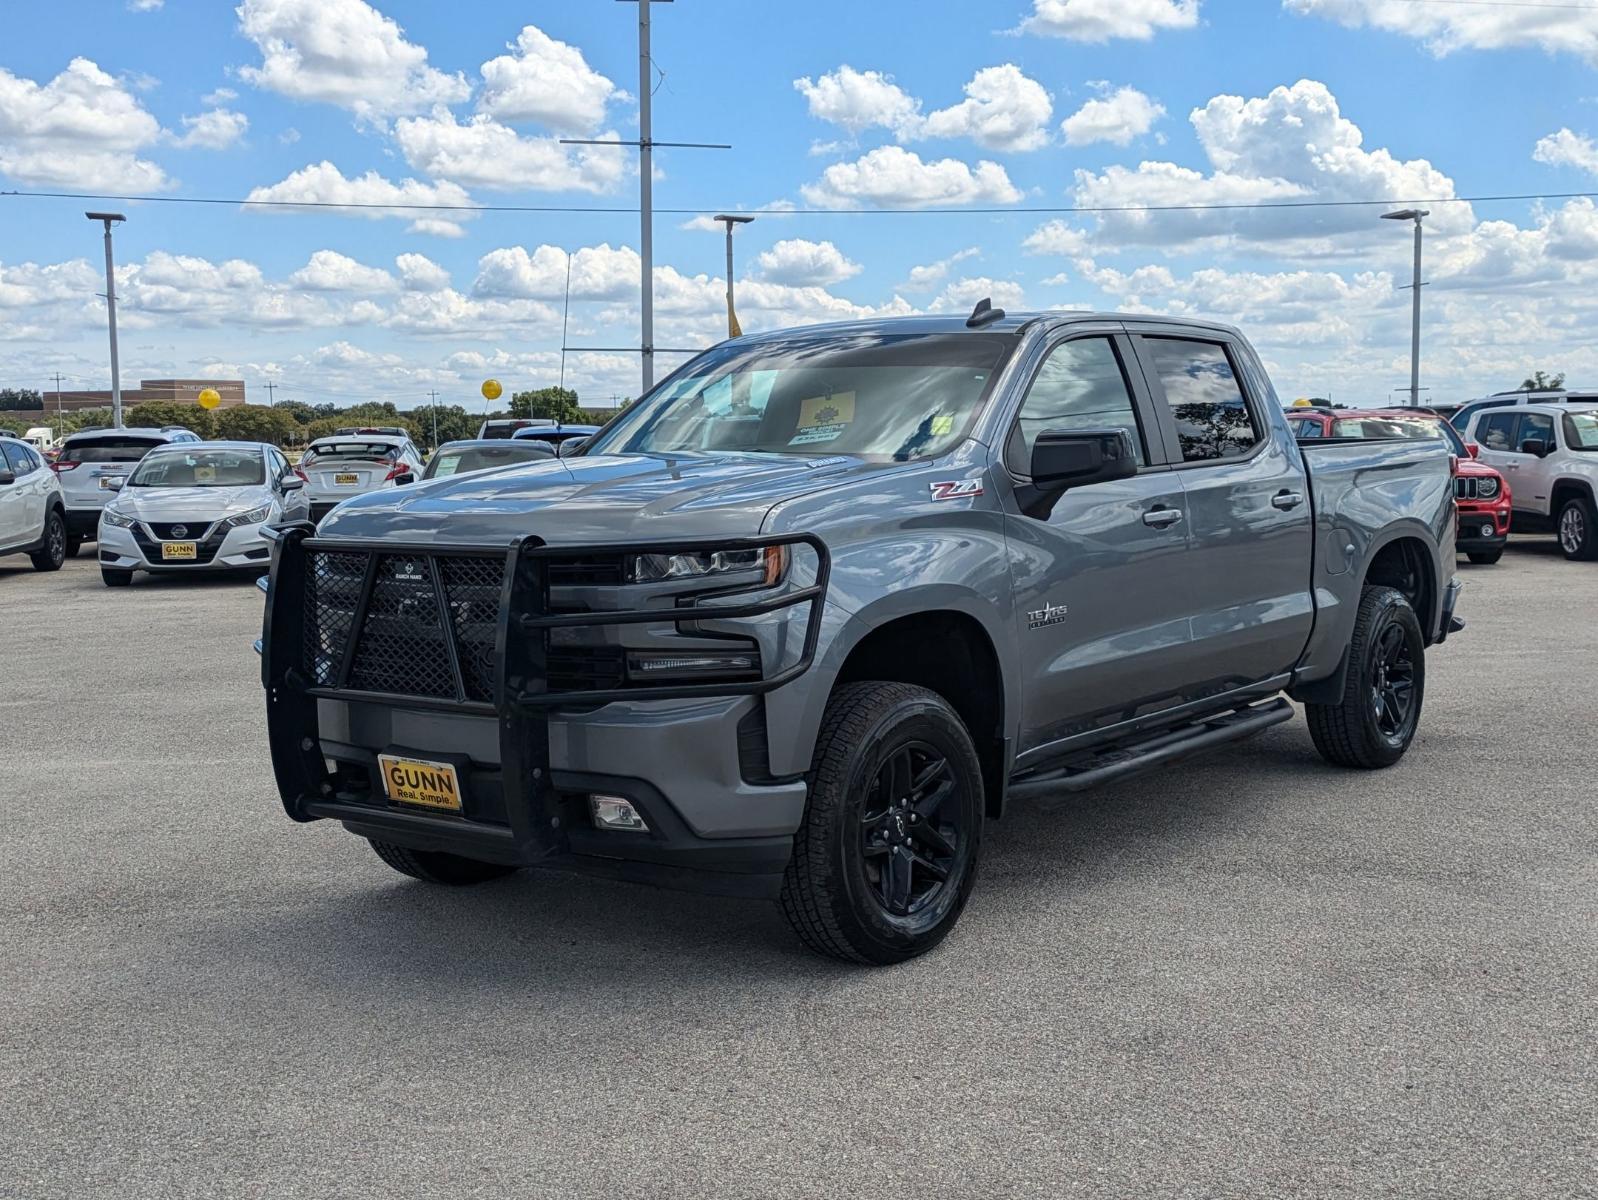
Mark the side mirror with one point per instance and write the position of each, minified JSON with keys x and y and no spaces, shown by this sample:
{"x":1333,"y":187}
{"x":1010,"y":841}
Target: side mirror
{"x":570,"y":447}
{"x":1062,"y":460}
{"x":1472,"y":449}
{"x":1536,"y":446}
{"x":114,"y":482}
{"x":291,"y":483}
{"x":7,"y":476}
{"x":405,"y":477}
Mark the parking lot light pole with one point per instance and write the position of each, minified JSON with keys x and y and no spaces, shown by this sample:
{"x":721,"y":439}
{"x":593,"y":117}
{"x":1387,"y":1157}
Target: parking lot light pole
{"x":110,"y":219}
{"x":732,"y":313}
{"x":1416,"y":215}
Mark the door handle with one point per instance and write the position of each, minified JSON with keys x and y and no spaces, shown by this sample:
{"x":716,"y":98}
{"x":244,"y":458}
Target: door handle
{"x":1160,"y":518}
{"x":1287,"y":501}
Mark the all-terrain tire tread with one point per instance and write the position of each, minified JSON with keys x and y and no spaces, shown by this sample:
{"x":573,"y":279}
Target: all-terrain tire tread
{"x":1338,"y":730}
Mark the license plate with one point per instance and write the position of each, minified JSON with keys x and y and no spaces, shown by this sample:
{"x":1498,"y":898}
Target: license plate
{"x":107,"y":480}
{"x":346,"y":480}
{"x":420,"y":782}
{"x":182,"y":551}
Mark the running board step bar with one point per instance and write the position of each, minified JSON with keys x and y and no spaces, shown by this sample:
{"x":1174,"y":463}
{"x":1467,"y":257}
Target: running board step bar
{"x":1158,"y":751}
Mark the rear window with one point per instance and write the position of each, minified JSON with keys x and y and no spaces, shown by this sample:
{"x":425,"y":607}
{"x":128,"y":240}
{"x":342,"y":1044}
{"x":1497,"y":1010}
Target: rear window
{"x":108,"y":448}
{"x":353,"y":450}
{"x":484,"y":458}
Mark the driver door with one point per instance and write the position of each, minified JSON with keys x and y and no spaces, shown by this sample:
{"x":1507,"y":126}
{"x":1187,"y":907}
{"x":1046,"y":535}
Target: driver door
{"x":1102,"y":621}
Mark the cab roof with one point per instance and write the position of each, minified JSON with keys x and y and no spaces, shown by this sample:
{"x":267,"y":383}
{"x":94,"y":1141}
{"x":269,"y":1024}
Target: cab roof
{"x":955,"y":323}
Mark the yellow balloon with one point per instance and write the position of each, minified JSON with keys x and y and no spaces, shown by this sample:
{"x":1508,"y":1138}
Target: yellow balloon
{"x":209,"y":398}
{"x":492,"y":390}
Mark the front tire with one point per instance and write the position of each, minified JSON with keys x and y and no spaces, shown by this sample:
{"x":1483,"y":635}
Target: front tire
{"x":1578,"y":530}
{"x":53,"y":552}
{"x":434,"y":866}
{"x":886,"y":857}
{"x":1485,"y":558}
{"x":115,"y":578}
{"x":1375,"y":721}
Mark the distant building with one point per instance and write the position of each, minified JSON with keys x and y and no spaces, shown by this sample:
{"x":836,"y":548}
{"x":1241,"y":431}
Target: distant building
{"x":170,"y":391}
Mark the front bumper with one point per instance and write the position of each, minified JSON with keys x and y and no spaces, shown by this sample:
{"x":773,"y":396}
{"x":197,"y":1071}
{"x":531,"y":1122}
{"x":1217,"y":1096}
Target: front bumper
{"x":1481,"y":527}
{"x":532,"y":740}
{"x":242,"y":548}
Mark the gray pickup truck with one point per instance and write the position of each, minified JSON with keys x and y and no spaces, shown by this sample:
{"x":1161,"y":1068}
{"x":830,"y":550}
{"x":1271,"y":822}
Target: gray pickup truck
{"x":800,"y":620}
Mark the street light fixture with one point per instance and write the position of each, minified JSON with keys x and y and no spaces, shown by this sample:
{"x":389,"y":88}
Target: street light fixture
{"x":1416,"y":215}
{"x":110,"y":219}
{"x":729,"y":220}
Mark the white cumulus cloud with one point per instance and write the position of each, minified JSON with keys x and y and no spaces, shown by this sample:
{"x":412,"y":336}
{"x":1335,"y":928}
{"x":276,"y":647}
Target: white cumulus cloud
{"x":323,"y":183}
{"x":1003,"y":110}
{"x":82,"y":129}
{"x":481,"y":152}
{"x":1120,"y":117}
{"x":1103,"y":20}
{"x":546,"y":81}
{"x":345,"y":53}
{"x":894,"y":177}
{"x":801,"y":263}
{"x":330,"y":271}
{"x":214,"y":130}
{"x":597,"y":273}
{"x":1567,"y":28}
{"x":418,"y":273}
{"x":1568,"y":149}
{"x":857,"y":100}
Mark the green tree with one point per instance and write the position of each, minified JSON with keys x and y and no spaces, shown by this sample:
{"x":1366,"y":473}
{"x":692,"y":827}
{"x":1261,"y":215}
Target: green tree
{"x":551,"y":403}
{"x":454,"y":423}
{"x":302,"y":412}
{"x":1541,"y":381}
{"x":156,"y":413}
{"x":20,"y":400}
{"x":256,"y":423}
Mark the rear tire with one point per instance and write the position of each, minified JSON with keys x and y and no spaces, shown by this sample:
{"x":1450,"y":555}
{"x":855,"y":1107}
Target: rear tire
{"x":1374,"y":723}
{"x":53,"y":552}
{"x":115,"y":578}
{"x":1485,"y":558}
{"x":434,"y":866}
{"x":1578,"y":530}
{"x":886,"y":857}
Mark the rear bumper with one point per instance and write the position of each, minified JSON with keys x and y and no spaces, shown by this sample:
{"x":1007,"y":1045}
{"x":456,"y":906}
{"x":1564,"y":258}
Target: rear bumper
{"x":83,"y":523}
{"x":529,"y":758}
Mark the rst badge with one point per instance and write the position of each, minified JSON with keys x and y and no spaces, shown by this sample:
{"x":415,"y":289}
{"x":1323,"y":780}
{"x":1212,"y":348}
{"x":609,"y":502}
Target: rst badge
{"x":957,"y":489}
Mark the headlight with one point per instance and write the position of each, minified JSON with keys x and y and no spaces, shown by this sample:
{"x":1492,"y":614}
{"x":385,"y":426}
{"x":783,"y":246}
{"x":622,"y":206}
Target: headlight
{"x":703,"y":564}
{"x":254,"y":517}
{"x":1486,"y":488}
{"x":117,"y":519}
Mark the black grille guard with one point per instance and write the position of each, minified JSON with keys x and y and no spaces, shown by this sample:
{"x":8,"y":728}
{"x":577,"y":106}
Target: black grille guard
{"x":522,"y":700}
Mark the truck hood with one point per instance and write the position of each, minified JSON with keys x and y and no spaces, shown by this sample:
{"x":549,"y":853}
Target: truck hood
{"x":599,"y":498}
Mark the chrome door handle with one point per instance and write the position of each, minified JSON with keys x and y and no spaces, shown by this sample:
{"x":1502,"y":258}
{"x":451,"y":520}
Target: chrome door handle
{"x":1287,"y":500}
{"x":1159,"y":518}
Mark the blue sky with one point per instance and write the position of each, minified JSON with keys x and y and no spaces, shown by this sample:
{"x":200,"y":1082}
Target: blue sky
{"x":1006,"y":104}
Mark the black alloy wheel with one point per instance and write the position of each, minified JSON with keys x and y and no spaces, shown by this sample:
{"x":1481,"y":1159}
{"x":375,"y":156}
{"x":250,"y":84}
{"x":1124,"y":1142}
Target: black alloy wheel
{"x":1393,"y":681}
{"x":910,"y":832}
{"x":1374,"y":722}
{"x":53,"y":552}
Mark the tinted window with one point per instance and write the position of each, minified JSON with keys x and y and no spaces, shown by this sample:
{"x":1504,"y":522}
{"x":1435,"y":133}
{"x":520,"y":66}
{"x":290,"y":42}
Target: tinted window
{"x":1535,"y":425}
{"x":1306,"y":429}
{"x":1496,"y":431}
{"x":1080,"y":386}
{"x":1212,"y":418}
{"x":463,"y":460}
{"x":20,"y":459}
{"x":108,"y":448}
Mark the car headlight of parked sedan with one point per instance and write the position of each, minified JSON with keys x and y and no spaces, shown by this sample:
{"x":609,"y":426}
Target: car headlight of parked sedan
{"x":254,"y":517}
{"x":111,"y":517}
{"x":1486,"y":489}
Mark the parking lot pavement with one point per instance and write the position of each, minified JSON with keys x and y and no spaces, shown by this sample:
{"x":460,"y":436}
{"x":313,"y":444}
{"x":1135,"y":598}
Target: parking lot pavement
{"x":1255,"y":975}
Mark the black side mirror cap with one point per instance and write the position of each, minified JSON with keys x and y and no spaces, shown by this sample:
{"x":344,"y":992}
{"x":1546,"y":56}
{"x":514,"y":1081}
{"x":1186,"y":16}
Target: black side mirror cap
{"x":1536,"y":446}
{"x":403,"y":478}
{"x":570,"y":447}
{"x":7,"y":476}
{"x":1066,"y":459}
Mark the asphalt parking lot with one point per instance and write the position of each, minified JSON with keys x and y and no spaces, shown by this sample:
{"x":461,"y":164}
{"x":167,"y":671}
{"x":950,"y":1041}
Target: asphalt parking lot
{"x":1257,"y":975}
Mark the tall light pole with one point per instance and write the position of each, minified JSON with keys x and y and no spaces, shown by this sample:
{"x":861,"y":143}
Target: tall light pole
{"x":729,"y":221}
{"x":110,"y":219}
{"x":1416,"y":215}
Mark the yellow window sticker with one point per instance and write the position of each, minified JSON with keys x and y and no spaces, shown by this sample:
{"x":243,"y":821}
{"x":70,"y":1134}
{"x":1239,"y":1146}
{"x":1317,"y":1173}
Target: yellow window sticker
{"x":942,"y":425}
{"x":204,"y":475}
{"x":823,"y":418}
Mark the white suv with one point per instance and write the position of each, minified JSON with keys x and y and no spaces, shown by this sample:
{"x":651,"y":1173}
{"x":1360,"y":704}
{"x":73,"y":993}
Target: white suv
{"x":33,"y":518}
{"x":1549,"y":455}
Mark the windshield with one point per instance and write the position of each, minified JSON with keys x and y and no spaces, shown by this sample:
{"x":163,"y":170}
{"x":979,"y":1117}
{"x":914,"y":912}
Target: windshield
{"x":882,"y":398}
{"x":463,"y":460}
{"x":1581,"y":430}
{"x":200,"y":468}
{"x":111,"y":448}
{"x":1399,"y":427}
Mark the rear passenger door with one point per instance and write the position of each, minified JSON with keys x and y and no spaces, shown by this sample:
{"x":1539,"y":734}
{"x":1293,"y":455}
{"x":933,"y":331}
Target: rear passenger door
{"x":1247,"y":583}
{"x":1101,"y":619}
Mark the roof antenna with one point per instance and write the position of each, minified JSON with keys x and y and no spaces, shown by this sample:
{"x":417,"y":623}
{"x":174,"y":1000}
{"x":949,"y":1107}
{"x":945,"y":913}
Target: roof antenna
{"x":984,"y":314}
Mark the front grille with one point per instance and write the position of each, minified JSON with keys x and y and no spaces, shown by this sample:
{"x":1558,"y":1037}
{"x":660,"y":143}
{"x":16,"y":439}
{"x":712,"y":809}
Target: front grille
{"x":586,"y":668}
{"x":403,"y":644}
{"x":1465,"y":487}
{"x":192,"y":531}
{"x":608,"y":571}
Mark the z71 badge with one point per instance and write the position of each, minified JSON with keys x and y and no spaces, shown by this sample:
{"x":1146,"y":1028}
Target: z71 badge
{"x":957,"y":489}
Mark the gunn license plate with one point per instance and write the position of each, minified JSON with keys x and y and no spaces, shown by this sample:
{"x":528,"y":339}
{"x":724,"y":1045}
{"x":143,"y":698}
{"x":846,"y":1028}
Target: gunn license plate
{"x":420,"y":782}
{"x":182,"y":551}
{"x":346,"y":480}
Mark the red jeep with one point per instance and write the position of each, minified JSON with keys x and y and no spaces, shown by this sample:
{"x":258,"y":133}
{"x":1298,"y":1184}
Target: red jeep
{"x":1481,"y":494}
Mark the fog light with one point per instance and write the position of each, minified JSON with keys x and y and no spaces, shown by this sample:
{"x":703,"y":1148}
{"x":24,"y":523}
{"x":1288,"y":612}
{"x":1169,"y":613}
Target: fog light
{"x":615,"y":813}
{"x":645,"y":664}
{"x":1487,"y":531}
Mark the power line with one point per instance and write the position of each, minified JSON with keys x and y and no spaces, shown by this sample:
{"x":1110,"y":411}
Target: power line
{"x":944,"y":210}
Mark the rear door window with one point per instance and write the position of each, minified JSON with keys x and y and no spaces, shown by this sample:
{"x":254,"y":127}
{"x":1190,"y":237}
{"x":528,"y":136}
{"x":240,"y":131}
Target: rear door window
{"x":1535,"y":425}
{"x":1213,"y":421}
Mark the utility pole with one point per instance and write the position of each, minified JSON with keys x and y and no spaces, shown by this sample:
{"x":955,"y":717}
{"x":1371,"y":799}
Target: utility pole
{"x":565,"y":316}
{"x":733,"y":329}
{"x":58,"y":403}
{"x":110,"y":219}
{"x":433,"y":396}
{"x":271,"y":392}
{"x":1416,"y":215}
{"x":646,"y":192}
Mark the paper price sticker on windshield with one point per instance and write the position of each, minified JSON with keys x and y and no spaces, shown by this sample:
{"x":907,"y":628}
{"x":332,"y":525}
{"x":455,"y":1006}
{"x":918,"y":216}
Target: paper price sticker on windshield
{"x":204,"y":475}
{"x":942,"y":425}
{"x":823,"y":418}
